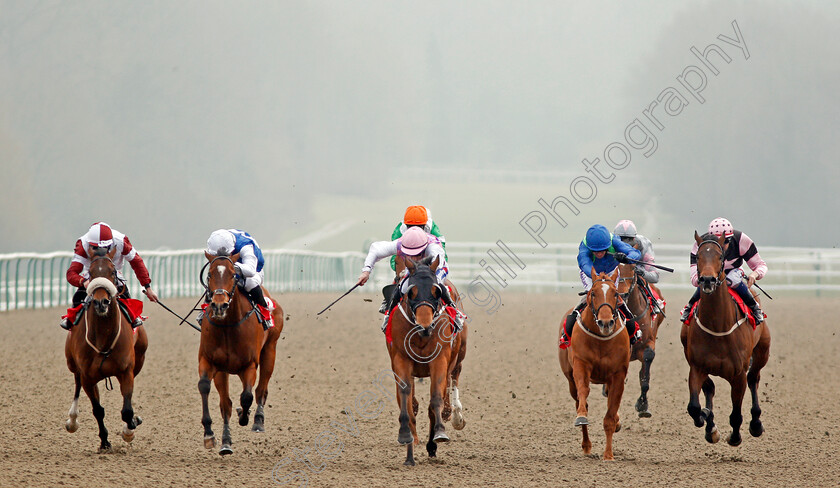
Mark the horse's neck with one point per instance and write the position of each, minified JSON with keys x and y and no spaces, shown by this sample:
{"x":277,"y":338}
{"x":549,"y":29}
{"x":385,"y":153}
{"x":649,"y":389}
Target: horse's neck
{"x":710,"y":307}
{"x":637,"y":301}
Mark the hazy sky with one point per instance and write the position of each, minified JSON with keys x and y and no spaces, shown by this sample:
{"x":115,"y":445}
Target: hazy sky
{"x":171,"y":119}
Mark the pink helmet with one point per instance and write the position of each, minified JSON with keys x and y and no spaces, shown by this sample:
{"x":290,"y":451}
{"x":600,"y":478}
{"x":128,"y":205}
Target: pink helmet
{"x":100,"y":235}
{"x":414,"y":241}
{"x":625,"y":228}
{"x":721,"y":227}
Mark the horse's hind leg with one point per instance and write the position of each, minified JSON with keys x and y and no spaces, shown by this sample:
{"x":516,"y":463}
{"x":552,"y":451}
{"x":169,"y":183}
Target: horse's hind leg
{"x":761,"y":354}
{"x":72,"y":425}
{"x":644,"y":381}
{"x":141,"y":343}
{"x":246,"y":399}
{"x":267,"y":356}
{"x":98,"y":413}
{"x":131,"y":421}
{"x":226,"y":406}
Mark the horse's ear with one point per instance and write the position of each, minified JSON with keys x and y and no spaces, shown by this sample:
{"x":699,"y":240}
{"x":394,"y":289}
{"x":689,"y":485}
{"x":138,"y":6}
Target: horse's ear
{"x":208,"y":256}
{"x":409,"y":265}
{"x":722,"y":241}
{"x":435,"y":263}
{"x":697,"y":237}
{"x":89,"y":252}
{"x":594,"y":274}
{"x":614,"y":275}
{"x":112,"y":253}
{"x":235,"y":258}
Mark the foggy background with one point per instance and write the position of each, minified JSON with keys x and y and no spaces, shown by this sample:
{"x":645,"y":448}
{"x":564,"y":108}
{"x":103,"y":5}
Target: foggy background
{"x":314,"y":124}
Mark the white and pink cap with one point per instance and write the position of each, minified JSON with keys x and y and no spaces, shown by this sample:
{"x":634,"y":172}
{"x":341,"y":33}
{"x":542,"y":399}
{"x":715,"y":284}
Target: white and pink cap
{"x":414,"y":241}
{"x":100,"y":235}
{"x":721,"y":227}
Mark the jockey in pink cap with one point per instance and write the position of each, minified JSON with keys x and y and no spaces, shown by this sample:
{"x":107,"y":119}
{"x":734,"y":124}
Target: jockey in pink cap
{"x":738,"y":248}
{"x":415,"y":245}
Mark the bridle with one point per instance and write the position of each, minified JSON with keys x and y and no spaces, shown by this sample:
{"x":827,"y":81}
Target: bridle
{"x":208,"y":294}
{"x":613,"y":308}
{"x":715,"y":281}
{"x":416,"y":303}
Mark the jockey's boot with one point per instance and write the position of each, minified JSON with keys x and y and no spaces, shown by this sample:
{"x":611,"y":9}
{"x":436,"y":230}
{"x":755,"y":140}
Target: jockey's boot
{"x":137,"y":322}
{"x":65,"y":324}
{"x":389,"y":305}
{"x":691,"y":301}
{"x":257,"y":297}
{"x":750,"y":301}
{"x":570,"y":322}
{"x":633,"y":330}
{"x":447,"y":299}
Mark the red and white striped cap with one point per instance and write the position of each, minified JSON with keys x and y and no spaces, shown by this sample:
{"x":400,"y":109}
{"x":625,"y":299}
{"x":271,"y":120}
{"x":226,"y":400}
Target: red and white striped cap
{"x":100,"y":235}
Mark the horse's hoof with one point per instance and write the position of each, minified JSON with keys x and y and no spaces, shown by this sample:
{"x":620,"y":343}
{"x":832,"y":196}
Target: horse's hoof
{"x":441,"y":437}
{"x":225,"y":450}
{"x":243,"y":417}
{"x":406,"y":438}
{"x":713,"y":437}
{"x":409,"y":462}
{"x":734,"y":440}
{"x":127,"y":434}
{"x":458,"y":421}
{"x":105,"y":448}
{"x":209,"y":442}
{"x":604,"y":392}
{"x":756,"y":429}
{"x":257,"y":427}
{"x":71,"y":426}
{"x":645,"y":414}
{"x":617,"y":426}
{"x":581,"y":421}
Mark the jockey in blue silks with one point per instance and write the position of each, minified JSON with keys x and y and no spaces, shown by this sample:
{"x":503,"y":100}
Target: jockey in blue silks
{"x":601,"y":251}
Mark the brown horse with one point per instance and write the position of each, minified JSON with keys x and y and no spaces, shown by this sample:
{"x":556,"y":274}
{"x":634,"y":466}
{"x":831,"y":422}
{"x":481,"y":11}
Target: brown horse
{"x":720,"y":341}
{"x":423,"y":347}
{"x":103,"y":345}
{"x":644,"y":350}
{"x":233,"y":342}
{"x":599,"y":353}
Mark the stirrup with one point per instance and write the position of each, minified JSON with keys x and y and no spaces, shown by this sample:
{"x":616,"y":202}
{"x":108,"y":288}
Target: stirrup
{"x":758,"y":314}
{"x":137,"y":323}
{"x":686,"y":313}
{"x":384,"y":307}
{"x":65,"y":324}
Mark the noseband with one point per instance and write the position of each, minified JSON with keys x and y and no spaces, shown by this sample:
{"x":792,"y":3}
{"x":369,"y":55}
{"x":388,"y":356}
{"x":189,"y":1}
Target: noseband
{"x":634,"y":279}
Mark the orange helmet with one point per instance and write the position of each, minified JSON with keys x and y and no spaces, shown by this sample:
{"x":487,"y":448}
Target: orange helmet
{"x":416,"y":215}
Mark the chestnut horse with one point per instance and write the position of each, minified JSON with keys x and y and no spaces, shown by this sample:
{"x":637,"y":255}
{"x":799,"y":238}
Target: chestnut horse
{"x":103,"y":345}
{"x":423,"y":347}
{"x":644,"y":350}
{"x":599,"y":353}
{"x":233,"y":342}
{"x":719,"y":341}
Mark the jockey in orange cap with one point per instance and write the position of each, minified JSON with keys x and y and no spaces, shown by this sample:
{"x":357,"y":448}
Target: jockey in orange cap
{"x":417,"y":216}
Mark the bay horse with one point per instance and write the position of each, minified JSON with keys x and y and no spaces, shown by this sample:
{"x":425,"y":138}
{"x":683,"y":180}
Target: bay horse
{"x":717,"y":342}
{"x":644,"y":350}
{"x":233,"y":341}
{"x":423,"y":346}
{"x":102,"y":345}
{"x":599,"y":353}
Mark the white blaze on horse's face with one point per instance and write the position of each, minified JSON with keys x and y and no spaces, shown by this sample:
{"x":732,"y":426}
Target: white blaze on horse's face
{"x":221,"y":269}
{"x":605,"y":288}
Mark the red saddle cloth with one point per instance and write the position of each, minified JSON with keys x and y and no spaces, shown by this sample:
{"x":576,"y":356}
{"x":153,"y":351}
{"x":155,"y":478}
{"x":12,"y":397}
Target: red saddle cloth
{"x":131,"y":308}
{"x":450,"y":311}
{"x":738,"y":301}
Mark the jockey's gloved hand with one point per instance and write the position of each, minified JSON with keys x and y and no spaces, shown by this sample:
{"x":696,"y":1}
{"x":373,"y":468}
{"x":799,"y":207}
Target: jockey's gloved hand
{"x":621,"y":257}
{"x":639,"y":271}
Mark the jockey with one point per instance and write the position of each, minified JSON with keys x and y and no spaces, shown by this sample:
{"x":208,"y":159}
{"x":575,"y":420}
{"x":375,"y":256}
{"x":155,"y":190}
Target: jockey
{"x":249,"y":266}
{"x":602,"y":252}
{"x":415,"y":245}
{"x":417,"y":215}
{"x":738,"y":248}
{"x":101,"y":235}
{"x":626,"y":231}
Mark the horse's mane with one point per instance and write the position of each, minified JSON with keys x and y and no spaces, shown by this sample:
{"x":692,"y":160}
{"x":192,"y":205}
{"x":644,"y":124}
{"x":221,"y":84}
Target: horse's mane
{"x":100,"y":251}
{"x":708,"y":236}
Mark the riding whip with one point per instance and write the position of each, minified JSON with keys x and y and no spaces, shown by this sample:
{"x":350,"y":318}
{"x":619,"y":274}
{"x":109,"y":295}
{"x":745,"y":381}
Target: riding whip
{"x":339,"y":298}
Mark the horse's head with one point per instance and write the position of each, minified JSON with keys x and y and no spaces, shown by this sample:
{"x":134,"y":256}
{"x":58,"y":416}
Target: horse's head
{"x":710,"y":261}
{"x":221,"y":283}
{"x":102,"y":287}
{"x":424,"y":292}
{"x":626,"y":280}
{"x":603,"y":300}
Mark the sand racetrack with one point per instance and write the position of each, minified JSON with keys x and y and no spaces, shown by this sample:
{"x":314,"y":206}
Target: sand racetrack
{"x":519,"y":414}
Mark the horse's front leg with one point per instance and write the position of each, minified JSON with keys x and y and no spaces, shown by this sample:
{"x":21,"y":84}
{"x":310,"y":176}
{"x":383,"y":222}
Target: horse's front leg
{"x":72,"y":425}
{"x":127,"y":390}
{"x":738,"y":386}
{"x":695,"y":382}
{"x":98,"y":413}
{"x":611,"y":421}
{"x":404,"y":382}
{"x":246,"y":399}
{"x":581,"y":373}
{"x":226,"y":407}
{"x":644,"y":382}
{"x":206,"y":374}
